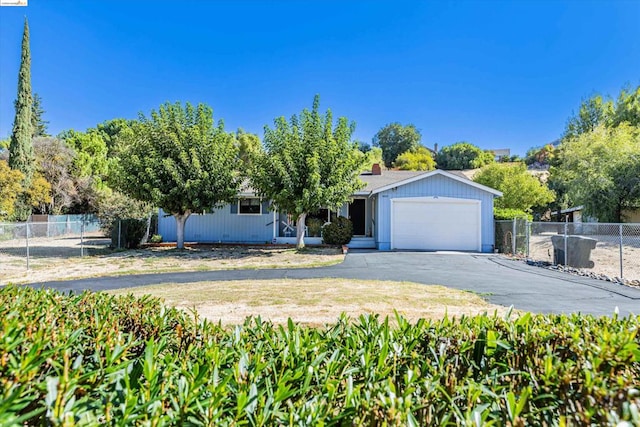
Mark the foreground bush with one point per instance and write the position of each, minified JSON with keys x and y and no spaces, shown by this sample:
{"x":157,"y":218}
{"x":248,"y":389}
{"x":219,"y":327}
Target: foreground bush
{"x":95,"y":358}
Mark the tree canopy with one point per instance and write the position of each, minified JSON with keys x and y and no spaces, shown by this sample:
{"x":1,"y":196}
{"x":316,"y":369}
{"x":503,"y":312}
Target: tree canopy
{"x":54,"y":160}
{"x":521,"y":190}
{"x":601,"y":171}
{"x":463,"y":155}
{"x":308,"y":163}
{"x":91,"y":153}
{"x":371,"y":156}
{"x":39,"y":124}
{"x":394,"y":139}
{"x":416,"y":159}
{"x":597,"y":111}
{"x":248,"y":145}
{"x":181,"y":162}
{"x":10,"y":189}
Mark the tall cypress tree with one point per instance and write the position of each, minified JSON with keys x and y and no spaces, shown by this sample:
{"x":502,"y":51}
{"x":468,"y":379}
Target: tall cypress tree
{"x":21,"y":156}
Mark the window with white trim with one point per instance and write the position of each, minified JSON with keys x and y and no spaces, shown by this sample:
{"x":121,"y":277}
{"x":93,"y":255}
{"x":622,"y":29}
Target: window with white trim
{"x":250,"y":206}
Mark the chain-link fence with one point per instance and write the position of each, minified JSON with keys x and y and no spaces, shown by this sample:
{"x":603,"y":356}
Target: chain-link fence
{"x":612,"y":250}
{"x":40,"y":244}
{"x":34,"y":244}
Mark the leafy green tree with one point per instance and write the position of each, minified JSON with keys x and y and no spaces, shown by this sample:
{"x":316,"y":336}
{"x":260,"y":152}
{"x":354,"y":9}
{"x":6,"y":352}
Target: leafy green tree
{"x":521,"y":190}
{"x":181,"y":162}
{"x":371,"y":157}
{"x":38,"y":123}
{"x":601,"y":171}
{"x":115,"y":133}
{"x":364,"y":147}
{"x":248,"y":145}
{"x":597,"y":111}
{"x":307,"y":164}
{"x":463,"y":155}
{"x":91,"y":153}
{"x":90,"y":168}
{"x":4,"y":143}
{"x":593,"y":112}
{"x":395,"y":139}
{"x":416,"y":159}
{"x":21,"y":155}
{"x":627,"y":108}
{"x":10,"y":189}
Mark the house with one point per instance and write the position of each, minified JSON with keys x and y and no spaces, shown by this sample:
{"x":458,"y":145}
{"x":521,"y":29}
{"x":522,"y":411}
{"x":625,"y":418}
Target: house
{"x":436,"y":210}
{"x":575,"y":214}
{"x":501,"y":153}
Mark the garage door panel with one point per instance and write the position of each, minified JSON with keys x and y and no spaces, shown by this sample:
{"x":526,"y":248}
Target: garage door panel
{"x":436,"y":224}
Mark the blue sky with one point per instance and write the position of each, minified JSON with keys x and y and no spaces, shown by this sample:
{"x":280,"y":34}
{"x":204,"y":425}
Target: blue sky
{"x":498,"y":74}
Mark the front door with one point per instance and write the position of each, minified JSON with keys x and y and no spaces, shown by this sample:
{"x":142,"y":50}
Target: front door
{"x":357,"y":216}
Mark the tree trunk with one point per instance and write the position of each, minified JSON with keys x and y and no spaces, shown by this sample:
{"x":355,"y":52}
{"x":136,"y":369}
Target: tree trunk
{"x":181,"y":219}
{"x":300,"y":227}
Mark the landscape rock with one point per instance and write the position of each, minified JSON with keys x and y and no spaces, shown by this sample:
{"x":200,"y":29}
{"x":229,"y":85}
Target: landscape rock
{"x":583,"y":273}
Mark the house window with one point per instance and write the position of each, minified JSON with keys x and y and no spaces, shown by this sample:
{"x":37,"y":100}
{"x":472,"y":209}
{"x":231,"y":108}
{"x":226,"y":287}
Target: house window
{"x":249,"y":206}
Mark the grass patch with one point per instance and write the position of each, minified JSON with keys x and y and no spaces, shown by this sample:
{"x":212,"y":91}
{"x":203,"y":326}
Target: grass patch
{"x":156,"y":260}
{"x":315,"y":301}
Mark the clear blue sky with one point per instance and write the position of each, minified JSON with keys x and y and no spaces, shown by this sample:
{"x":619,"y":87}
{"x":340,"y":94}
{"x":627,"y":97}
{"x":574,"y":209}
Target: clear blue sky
{"x":499,"y":74}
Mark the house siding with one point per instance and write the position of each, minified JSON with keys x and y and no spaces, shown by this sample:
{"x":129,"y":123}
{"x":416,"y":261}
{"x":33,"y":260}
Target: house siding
{"x":440,"y":186}
{"x":220,"y":226}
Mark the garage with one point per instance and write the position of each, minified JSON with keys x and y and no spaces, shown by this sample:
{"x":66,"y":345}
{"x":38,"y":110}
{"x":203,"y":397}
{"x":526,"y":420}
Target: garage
{"x":436,"y":223}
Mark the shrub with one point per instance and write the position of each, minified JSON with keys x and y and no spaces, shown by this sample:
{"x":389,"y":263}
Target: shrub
{"x":156,"y":238}
{"x":338,"y":232}
{"x":131,"y":230}
{"x":314,"y":226}
{"x":114,"y":206}
{"x":94,"y":359}
{"x":502,"y":214}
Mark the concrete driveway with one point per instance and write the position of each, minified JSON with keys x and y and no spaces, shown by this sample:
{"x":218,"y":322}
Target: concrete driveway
{"x":499,"y":280}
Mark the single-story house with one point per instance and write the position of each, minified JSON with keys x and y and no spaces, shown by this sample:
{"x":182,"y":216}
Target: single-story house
{"x":575,"y":214}
{"x":436,"y":210}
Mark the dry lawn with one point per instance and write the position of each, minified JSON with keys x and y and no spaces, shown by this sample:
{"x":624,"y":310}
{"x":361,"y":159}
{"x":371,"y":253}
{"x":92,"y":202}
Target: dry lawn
{"x":50,"y":264}
{"x":315,"y":301}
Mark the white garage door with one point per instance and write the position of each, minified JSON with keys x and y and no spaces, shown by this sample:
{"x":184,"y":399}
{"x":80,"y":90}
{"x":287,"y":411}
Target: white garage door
{"x":427,"y":223}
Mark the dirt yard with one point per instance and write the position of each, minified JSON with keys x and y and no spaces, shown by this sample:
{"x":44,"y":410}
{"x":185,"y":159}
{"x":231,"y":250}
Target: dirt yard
{"x":605,"y":256}
{"x":59,"y":259}
{"x":315,"y":301}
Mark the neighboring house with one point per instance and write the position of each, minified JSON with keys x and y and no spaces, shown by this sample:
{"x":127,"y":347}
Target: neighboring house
{"x":575,"y":214}
{"x":500,"y":153}
{"x":437,"y":210}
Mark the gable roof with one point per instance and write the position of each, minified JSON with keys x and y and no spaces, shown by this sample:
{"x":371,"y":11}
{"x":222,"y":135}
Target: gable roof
{"x":391,"y":179}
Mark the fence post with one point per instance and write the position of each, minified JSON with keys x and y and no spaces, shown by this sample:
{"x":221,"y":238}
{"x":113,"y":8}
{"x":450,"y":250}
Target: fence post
{"x":119,"y":230}
{"x":526,"y":233}
{"x":621,"y":272}
{"x":513,"y":238}
{"x":566,"y":224}
{"x":82,"y":239}
{"x":27,"y":234}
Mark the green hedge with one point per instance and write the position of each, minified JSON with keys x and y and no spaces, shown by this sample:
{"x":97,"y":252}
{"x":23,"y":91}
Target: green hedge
{"x":93,"y":358}
{"x":508,"y":214}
